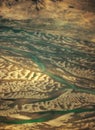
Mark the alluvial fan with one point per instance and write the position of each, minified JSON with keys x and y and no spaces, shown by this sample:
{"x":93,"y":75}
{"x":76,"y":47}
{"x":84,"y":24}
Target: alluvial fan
{"x":47,"y":81}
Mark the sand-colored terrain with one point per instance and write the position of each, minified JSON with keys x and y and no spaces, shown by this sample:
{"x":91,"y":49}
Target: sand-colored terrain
{"x":47,"y":68}
{"x":76,"y":18}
